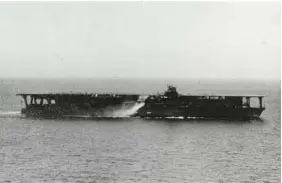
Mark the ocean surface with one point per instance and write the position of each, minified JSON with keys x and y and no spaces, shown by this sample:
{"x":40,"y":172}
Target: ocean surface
{"x":135,"y":150}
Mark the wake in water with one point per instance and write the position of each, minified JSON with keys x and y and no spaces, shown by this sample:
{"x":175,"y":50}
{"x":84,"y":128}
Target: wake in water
{"x":10,"y":113}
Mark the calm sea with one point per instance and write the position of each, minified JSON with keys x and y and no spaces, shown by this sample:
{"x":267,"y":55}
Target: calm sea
{"x":135,"y":150}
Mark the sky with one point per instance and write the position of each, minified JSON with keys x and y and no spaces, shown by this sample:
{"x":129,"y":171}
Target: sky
{"x":140,"y":39}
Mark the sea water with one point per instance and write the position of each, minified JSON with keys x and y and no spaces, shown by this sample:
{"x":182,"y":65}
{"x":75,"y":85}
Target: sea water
{"x":139,"y":150}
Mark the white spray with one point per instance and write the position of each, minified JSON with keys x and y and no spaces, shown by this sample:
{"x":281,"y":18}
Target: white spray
{"x":128,"y":109}
{"x":128,"y":112}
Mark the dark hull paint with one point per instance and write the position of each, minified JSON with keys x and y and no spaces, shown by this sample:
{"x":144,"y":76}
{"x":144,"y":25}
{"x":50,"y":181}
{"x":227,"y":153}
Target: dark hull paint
{"x":240,"y":113}
{"x":56,"y":111}
{"x":201,"y":112}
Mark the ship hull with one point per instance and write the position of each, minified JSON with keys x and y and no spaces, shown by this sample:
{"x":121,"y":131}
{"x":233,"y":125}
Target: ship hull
{"x":201,"y":112}
{"x":61,"y":111}
{"x":193,"y":112}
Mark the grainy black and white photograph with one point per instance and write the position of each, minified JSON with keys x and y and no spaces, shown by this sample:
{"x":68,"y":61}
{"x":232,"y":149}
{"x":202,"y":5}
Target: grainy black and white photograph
{"x":140,"y":91}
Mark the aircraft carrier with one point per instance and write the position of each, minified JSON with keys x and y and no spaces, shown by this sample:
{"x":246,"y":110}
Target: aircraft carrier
{"x":168,"y":104}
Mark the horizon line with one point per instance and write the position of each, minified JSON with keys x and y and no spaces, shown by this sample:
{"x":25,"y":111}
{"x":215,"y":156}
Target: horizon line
{"x":145,"y":78}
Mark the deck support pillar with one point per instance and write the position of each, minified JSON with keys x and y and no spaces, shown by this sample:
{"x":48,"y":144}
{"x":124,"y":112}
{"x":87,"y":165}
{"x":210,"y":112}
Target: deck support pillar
{"x":248,"y":101}
{"x":31,"y":100}
{"x":25,"y":100}
{"x":260,"y":102}
{"x":49,"y":101}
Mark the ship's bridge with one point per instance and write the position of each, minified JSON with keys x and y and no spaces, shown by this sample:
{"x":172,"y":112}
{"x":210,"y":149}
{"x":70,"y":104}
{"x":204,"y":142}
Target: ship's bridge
{"x":171,"y":91}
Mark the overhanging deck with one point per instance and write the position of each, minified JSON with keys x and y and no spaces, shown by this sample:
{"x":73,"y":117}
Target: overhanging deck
{"x":124,"y":94}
